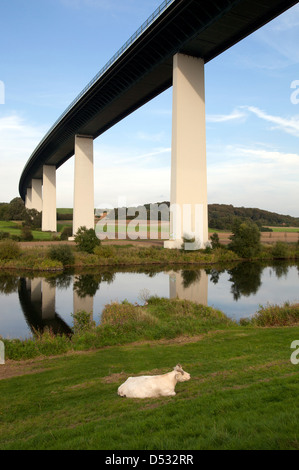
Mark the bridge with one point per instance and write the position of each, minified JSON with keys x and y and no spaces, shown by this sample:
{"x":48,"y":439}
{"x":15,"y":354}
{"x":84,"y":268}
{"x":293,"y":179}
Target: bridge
{"x":170,"y":49}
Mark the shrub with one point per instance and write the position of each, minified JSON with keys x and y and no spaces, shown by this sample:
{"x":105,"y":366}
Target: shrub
{"x":62,"y":253}
{"x":105,"y":251}
{"x":83,"y":321}
{"x":26,"y":234}
{"x":4,"y":235}
{"x":66,"y":233}
{"x":280,"y":250}
{"x":276,"y":315}
{"x":215,"y":241}
{"x":9,"y":249}
{"x":86,"y":239}
{"x":245,"y":240}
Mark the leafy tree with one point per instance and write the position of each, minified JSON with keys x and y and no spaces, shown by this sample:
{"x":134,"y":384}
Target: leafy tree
{"x":246,"y":239}
{"x":86,"y":239}
{"x":215,"y":241}
{"x":32,"y":218}
{"x":15,"y":210}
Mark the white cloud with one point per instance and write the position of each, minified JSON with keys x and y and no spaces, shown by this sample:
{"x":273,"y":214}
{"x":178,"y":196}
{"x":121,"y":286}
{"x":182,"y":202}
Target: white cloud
{"x":261,"y":178}
{"x":235,"y":115}
{"x":17,"y":142}
{"x":291,"y":125}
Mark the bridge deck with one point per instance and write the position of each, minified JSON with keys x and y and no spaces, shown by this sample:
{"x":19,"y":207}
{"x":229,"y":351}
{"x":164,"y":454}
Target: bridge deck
{"x":143,"y":68}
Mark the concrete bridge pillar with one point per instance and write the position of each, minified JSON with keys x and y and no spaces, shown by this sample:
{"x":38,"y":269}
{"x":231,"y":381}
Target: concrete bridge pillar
{"x":36,"y":195}
{"x":49,"y":223}
{"x":189,"y":208}
{"x":28,"y":199}
{"x":83,"y":183}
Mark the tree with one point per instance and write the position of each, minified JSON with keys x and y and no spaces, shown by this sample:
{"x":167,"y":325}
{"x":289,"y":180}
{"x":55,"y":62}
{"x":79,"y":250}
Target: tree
{"x":215,"y":241}
{"x":86,"y":239}
{"x":245,"y":240}
{"x":32,"y":218}
{"x":15,"y":210}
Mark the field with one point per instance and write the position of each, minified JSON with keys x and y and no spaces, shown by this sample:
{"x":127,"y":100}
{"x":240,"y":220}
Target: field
{"x":243,"y":394}
{"x":14,"y":228}
{"x":283,"y":235}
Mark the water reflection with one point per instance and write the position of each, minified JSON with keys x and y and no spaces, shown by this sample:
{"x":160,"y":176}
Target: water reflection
{"x":189,"y":285}
{"x":49,"y":302}
{"x":37,"y":300}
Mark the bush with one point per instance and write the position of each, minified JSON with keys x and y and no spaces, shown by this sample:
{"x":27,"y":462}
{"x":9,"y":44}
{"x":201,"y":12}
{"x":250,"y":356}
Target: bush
{"x":26,"y":234}
{"x":66,"y":233}
{"x":215,"y":241}
{"x":62,"y":253}
{"x":276,"y":315}
{"x":83,"y":322}
{"x":4,"y":235}
{"x":105,"y":251}
{"x":280,"y":250}
{"x":86,"y":239}
{"x":245,"y":240}
{"x":9,"y":249}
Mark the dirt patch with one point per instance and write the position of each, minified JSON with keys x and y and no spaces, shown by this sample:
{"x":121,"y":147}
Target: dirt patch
{"x":31,"y":366}
{"x":16,"y":369}
{"x":114,"y":378}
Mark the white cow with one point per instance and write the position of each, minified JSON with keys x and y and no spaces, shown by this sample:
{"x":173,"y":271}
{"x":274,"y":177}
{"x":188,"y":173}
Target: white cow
{"x":152,"y":386}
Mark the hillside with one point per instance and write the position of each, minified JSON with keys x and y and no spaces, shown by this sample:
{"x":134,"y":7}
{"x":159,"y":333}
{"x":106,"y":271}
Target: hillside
{"x":221,"y":216}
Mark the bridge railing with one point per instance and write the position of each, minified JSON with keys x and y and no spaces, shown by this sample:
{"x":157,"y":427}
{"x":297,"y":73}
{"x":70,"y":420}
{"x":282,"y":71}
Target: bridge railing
{"x":164,"y":5}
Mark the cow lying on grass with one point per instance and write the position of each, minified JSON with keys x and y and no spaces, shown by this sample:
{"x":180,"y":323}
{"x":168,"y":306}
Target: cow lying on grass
{"x":152,"y":386}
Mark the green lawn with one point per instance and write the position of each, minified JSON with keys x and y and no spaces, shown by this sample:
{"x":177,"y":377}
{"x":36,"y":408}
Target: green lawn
{"x":286,"y":229}
{"x":243,"y":394}
{"x":64,"y":211}
{"x":14,"y":228}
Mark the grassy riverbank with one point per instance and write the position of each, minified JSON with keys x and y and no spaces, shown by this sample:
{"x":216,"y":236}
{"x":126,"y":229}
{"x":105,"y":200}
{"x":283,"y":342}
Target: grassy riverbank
{"x":242,"y":393}
{"x":39,"y":258}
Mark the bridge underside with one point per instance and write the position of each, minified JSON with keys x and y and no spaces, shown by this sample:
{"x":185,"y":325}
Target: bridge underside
{"x":173,"y":50}
{"x":200,"y":28}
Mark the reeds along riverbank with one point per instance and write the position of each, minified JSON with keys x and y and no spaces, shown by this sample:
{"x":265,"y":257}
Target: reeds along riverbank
{"x":160,"y":319}
{"x":41,"y":258}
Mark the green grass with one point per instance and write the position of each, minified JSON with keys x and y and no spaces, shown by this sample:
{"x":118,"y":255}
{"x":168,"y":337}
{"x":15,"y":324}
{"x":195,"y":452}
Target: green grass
{"x":243,"y":394}
{"x":64,"y":211}
{"x":124,"y":323}
{"x":14,"y":228}
{"x":286,"y":229}
{"x":63,"y":223}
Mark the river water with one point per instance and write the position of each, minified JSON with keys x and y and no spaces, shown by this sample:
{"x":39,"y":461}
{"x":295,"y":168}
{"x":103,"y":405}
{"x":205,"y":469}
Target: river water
{"x":29,"y":303}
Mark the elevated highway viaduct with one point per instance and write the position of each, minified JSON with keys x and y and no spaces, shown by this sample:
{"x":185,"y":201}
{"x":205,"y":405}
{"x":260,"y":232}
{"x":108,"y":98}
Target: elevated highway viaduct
{"x":170,"y":49}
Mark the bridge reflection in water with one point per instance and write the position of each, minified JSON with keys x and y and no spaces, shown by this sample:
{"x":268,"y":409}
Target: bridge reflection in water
{"x":37,"y":297}
{"x":37,"y":300}
{"x":189,"y":285}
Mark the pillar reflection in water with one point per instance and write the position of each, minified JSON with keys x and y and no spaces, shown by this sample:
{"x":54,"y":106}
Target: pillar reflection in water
{"x":48,"y":300}
{"x":37,"y":300}
{"x":82,"y":301}
{"x":189,"y":285}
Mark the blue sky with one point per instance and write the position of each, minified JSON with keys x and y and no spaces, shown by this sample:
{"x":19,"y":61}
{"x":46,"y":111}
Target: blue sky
{"x":49,"y":51}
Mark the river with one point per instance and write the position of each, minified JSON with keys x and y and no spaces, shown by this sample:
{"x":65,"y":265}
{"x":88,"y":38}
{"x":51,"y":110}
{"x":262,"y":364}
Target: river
{"x":29,"y":303}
